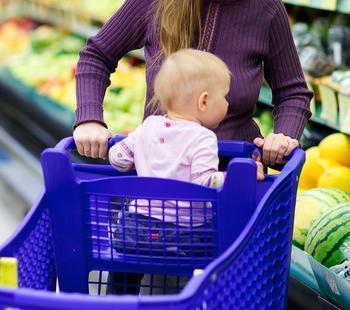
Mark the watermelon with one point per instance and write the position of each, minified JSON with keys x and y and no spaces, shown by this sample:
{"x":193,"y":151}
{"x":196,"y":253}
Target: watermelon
{"x":310,"y":206}
{"x":328,"y":196}
{"x":328,"y":235}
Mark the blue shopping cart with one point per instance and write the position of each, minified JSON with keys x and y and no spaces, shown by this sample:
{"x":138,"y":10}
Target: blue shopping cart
{"x":84,"y":226}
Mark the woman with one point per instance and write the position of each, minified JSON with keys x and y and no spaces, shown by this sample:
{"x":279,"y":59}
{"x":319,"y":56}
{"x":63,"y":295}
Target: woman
{"x":252,"y":37}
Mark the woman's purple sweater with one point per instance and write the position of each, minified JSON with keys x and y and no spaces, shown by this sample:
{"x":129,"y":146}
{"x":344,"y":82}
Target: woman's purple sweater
{"x":253,"y":37}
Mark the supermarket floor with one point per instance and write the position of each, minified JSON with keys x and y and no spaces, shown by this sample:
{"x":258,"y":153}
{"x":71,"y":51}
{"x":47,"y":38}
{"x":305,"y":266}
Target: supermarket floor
{"x":12,"y":211}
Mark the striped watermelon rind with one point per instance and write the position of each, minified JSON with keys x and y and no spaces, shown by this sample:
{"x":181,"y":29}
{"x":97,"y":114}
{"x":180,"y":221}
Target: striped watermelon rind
{"x":327,"y":235}
{"x":310,"y":206}
{"x":329,"y":196}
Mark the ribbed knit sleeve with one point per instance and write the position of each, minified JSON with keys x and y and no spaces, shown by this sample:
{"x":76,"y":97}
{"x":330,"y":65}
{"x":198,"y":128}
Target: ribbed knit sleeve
{"x":283,"y":72}
{"x":124,"y":32}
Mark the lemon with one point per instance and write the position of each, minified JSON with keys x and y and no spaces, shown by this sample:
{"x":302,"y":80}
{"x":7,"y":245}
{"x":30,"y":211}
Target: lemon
{"x":336,"y":147}
{"x":337,"y":177}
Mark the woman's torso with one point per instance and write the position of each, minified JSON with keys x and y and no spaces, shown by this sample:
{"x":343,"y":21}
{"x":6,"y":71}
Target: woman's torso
{"x":237,"y":32}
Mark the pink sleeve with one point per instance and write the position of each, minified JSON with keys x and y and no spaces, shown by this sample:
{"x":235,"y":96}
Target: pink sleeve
{"x":205,"y":162}
{"x":121,"y":154}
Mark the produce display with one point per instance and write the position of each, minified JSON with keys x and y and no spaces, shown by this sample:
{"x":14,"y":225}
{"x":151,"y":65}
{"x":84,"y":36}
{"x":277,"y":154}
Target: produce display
{"x":310,"y":205}
{"x":14,"y":38}
{"x":100,"y":10}
{"x":322,"y":43}
{"x":53,"y":54}
{"x":84,"y":11}
{"x":322,"y":213}
{"x":337,"y":147}
{"x":343,"y":270}
{"x":327,"y":165}
{"x":328,"y":234}
{"x":265,"y":122}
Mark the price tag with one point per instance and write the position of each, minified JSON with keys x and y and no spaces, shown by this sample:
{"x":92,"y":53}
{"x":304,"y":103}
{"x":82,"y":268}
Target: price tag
{"x":299,"y":2}
{"x":329,"y":104}
{"x":343,"y":6}
{"x":325,"y":4}
{"x":332,"y":283}
{"x":300,"y":258}
{"x":312,"y":102}
{"x":330,"y":5}
{"x":344,"y":113}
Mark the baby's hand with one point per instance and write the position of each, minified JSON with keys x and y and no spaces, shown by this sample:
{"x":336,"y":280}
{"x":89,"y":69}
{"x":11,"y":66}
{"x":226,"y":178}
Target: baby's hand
{"x":260,"y":171}
{"x":275,"y":146}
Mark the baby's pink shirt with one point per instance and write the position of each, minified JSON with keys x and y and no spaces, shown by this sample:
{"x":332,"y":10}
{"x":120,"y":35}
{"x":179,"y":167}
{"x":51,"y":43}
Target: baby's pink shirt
{"x":174,"y":149}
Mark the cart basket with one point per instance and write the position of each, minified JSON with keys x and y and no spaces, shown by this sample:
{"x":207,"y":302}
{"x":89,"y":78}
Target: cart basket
{"x":92,"y":220}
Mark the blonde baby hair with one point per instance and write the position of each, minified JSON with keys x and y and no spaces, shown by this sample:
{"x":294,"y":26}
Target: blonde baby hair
{"x":187,"y":73}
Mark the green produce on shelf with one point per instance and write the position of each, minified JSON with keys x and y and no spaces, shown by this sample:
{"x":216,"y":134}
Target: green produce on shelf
{"x":330,"y":5}
{"x":45,"y":37}
{"x":329,"y":234}
{"x":327,"y":175}
{"x":343,"y":269}
{"x":310,"y":206}
{"x":53,"y":56}
{"x":265,"y":122}
{"x":99,"y":10}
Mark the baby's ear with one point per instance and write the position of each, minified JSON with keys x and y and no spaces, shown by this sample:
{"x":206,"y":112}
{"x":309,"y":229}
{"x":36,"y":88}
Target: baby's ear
{"x":202,"y":101}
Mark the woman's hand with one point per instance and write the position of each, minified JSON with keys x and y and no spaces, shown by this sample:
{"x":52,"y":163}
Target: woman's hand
{"x":275,"y":146}
{"x":91,"y":139}
{"x":260,"y":171}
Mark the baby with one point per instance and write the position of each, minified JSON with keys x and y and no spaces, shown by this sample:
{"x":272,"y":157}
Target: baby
{"x":191,"y":88}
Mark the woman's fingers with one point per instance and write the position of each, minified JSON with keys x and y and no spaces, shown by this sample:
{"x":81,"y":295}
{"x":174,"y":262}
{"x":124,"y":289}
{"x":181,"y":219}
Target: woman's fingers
{"x":80,"y":148}
{"x":267,"y":149}
{"x":282,"y":151}
{"x":280,"y":147}
{"x":293,"y":144}
{"x":275,"y":147}
{"x":95,"y":148}
{"x":260,"y":171}
{"x":87,"y":148}
{"x":103,"y":150}
{"x":91,"y":139}
{"x":259,"y":142}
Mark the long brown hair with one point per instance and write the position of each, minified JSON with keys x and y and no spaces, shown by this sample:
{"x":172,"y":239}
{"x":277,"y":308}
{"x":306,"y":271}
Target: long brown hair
{"x":178,"y":23}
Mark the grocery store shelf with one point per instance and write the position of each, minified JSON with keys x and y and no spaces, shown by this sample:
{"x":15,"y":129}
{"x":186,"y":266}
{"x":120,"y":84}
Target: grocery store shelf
{"x":301,"y":269}
{"x":45,"y":12}
{"x":343,"y":6}
{"x":19,"y":169}
{"x":12,"y":210}
{"x":63,"y":18}
{"x":265,"y":97}
{"x":45,"y":105}
{"x":328,"y":5}
{"x":32,"y":119}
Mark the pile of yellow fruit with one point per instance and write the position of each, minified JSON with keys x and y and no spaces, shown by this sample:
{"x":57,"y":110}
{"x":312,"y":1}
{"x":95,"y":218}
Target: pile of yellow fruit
{"x":14,"y":38}
{"x":328,"y":164}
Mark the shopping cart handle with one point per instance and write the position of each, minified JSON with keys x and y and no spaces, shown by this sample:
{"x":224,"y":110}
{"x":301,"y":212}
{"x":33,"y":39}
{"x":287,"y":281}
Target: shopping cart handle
{"x":114,"y":140}
{"x":226,"y":148}
{"x":68,"y":144}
